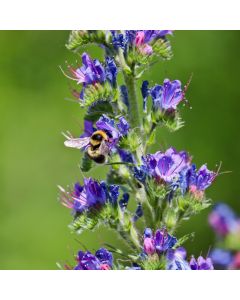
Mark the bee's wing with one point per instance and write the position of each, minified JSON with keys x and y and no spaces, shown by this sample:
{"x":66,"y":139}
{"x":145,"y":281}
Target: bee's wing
{"x":104,"y":149}
{"x":77,"y":143}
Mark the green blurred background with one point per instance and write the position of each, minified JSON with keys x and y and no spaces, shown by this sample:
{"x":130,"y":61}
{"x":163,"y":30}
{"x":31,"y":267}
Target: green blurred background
{"x":33,"y":160}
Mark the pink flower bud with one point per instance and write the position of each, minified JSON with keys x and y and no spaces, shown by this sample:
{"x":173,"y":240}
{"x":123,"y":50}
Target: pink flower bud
{"x":149,"y":246}
{"x":139,"y":40}
{"x":105,"y":267}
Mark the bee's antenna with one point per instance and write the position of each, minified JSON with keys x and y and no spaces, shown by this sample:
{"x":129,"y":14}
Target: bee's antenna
{"x":67,"y":135}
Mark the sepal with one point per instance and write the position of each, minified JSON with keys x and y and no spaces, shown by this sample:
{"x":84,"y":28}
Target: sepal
{"x":154,"y":262}
{"x":94,"y":93}
{"x":90,"y":219}
{"x":162,"y":48}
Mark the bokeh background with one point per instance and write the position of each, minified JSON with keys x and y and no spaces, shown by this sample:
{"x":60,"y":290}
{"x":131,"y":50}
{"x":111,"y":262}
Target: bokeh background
{"x":33,"y":161}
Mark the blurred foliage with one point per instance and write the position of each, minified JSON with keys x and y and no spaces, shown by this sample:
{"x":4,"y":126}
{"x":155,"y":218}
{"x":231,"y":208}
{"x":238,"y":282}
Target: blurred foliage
{"x":34,"y":112}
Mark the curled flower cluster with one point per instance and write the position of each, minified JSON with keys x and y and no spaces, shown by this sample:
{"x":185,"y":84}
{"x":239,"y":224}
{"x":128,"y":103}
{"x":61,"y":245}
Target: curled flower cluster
{"x":161,"y":245}
{"x":164,"y":97}
{"x":142,"y":40}
{"x":158,"y":190}
{"x":158,"y":243}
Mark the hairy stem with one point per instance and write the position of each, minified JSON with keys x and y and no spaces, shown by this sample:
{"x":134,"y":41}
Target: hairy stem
{"x":129,"y":236}
{"x":133,"y":111}
{"x":130,"y":81}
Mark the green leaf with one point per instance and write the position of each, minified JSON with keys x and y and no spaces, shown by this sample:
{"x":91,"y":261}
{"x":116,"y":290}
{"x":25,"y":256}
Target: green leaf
{"x":151,"y":139}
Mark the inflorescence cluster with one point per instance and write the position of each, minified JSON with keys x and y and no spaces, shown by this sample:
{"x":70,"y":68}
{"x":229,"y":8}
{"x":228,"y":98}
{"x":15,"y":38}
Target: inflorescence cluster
{"x":145,"y":195}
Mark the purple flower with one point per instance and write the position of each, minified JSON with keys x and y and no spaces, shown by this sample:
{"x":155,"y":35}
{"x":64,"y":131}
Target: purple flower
{"x":108,"y":125}
{"x":149,"y":35}
{"x":124,"y":95}
{"x":123,"y":126}
{"x":235,"y":265}
{"x":91,"y":195}
{"x":94,"y":192}
{"x":202,"y":179}
{"x":138,"y":213}
{"x":113,"y":193}
{"x":221,"y":258}
{"x":123,"y":202}
{"x":176,"y":259}
{"x":119,"y":40}
{"x":160,"y":242}
{"x":104,"y":256}
{"x":111,"y":71}
{"x":166,"y":97}
{"x":163,"y":240}
{"x":141,"y":39}
{"x":140,"y":173}
{"x":222,"y":219}
{"x":88,"y":129}
{"x":102,"y":260}
{"x":91,"y":71}
{"x":166,"y":166}
{"x":196,"y":181}
{"x":145,"y":93}
{"x":130,"y":36}
{"x":126,"y":156}
{"x":148,"y":233}
{"x":201,"y":263}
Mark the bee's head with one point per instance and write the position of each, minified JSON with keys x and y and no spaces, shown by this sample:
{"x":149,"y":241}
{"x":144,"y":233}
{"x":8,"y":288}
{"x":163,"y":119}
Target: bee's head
{"x":98,"y":136}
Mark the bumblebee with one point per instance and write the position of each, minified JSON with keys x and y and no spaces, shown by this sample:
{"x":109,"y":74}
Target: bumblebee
{"x":96,"y":145}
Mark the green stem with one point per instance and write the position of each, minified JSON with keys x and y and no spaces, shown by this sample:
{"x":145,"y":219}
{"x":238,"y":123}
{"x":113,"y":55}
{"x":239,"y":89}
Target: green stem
{"x":130,"y":81}
{"x":133,"y":111}
{"x":129,"y":236}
